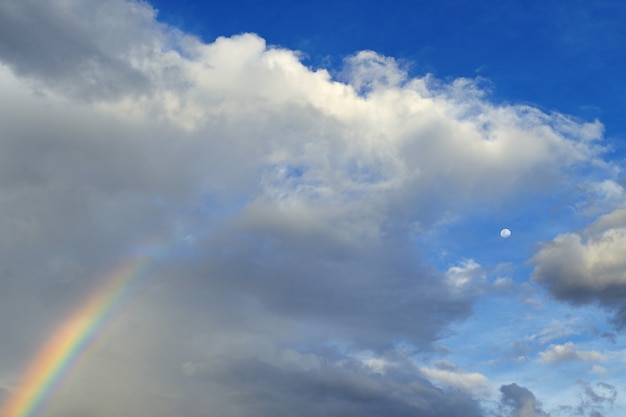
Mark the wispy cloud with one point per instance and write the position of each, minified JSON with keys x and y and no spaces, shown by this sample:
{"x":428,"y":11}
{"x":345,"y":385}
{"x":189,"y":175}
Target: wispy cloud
{"x":472,"y":382}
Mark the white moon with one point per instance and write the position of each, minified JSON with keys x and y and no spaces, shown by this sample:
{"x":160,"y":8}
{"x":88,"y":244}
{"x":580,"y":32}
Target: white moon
{"x":504,"y":233}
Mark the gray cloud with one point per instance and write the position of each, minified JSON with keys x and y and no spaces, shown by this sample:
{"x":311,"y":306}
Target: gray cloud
{"x":261,"y":389}
{"x":521,"y":402}
{"x":60,"y":44}
{"x":587,"y":266}
{"x":350,"y":290}
{"x":594,"y":400}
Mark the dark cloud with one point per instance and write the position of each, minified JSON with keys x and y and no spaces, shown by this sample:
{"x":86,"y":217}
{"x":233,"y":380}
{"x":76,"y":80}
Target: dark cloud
{"x":521,"y":402}
{"x":261,"y":389}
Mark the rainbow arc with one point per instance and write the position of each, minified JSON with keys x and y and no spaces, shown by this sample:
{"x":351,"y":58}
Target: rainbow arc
{"x":70,"y":341}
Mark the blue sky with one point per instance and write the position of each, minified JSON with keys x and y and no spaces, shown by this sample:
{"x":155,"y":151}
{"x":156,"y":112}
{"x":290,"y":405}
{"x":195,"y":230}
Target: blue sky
{"x":322,"y":188}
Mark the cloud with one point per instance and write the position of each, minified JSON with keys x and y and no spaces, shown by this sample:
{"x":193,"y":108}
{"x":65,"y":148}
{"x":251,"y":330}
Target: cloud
{"x":331,"y":391}
{"x":313,"y":178}
{"x":599,"y":370}
{"x":587,"y":266}
{"x":286,"y":206}
{"x":60,"y":44}
{"x":472,"y":382}
{"x":367,"y":71}
{"x":521,"y":402}
{"x":594,"y":401}
{"x":555,"y":330}
{"x":465,"y":276}
{"x":568,"y":352}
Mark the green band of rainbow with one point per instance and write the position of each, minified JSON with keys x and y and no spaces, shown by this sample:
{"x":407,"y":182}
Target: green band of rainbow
{"x":70,"y":340}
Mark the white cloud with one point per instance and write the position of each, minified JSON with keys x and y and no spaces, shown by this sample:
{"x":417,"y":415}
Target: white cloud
{"x":377,"y":365}
{"x":367,"y":72}
{"x":568,"y":352}
{"x":611,"y":190}
{"x":473,"y":382}
{"x":465,"y":277}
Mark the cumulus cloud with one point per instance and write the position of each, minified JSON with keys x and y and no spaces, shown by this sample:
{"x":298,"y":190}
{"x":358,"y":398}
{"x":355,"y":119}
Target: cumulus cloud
{"x":285,"y":206}
{"x":568,"y":352}
{"x":587,"y":266}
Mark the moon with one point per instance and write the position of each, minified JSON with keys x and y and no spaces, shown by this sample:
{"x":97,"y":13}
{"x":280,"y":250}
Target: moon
{"x":505,"y":233}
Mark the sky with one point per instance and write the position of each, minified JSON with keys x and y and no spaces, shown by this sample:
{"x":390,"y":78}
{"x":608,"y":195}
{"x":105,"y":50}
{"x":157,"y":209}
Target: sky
{"x":294,"y":208}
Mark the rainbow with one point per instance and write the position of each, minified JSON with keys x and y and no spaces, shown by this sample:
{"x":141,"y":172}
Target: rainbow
{"x":70,"y":341}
